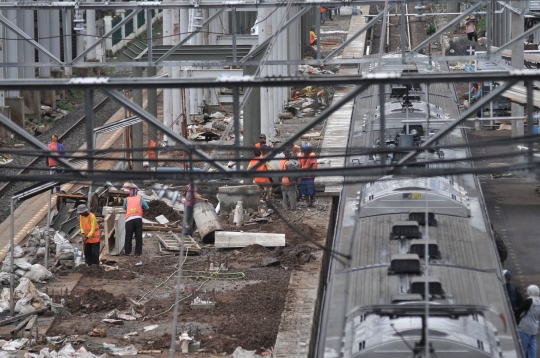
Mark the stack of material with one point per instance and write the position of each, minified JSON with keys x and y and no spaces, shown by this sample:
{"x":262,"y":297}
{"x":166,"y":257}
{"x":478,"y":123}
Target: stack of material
{"x":26,"y":297}
{"x":23,"y":268}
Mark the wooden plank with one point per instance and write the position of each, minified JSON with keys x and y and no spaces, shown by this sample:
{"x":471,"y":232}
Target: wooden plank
{"x":226,"y":239}
{"x":22,"y":316}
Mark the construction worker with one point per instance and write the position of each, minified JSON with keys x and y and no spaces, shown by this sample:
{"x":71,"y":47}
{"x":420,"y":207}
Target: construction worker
{"x":288,"y":184}
{"x":134,"y":206}
{"x":91,"y":235}
{"x":322,"y":10}
{"x":151,"y":152}
{"x":191,"y":198}
{"x":308,"y":161}
{"x":470,"y":28}
{"x":312,"y":36}
{"x":475,"y":92}
{"x":263,"y":146}
{"x":264,"y":186}
{"x":57,"y":149}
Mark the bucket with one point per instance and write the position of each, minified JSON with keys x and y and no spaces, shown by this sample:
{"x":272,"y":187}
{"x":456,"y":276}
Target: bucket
{"x":535,"y":129}
{"x":354,"y":10}
{"x":56,"y":308}
{"x":207,"y":221}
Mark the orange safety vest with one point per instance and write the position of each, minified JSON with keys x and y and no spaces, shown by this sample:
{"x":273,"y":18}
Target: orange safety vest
{"x":283,"y":166}
{"x":467,"y":27}
{"x":151,"y":153}
{"x":254,"y":162}
{"x":53,"y":147}
{"x":258,"y":145}
{"x":323,"y":9}
{"x":312,"y":37}
{"x":86,"y":223}
{"x":134,"y":206}
{"x":308,"y":162}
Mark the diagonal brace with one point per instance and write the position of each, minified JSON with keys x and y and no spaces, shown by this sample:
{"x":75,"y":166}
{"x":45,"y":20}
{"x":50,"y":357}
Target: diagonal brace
{"x":284,"y":27}
{"x":13,"y":128}
{"x":186,"y":39}
{"x":446,"y":27}
{"x":372,"y":22}
{"x":156,"y":122}
{"x":4,"y":20}
{"x":519,"y":37}
{"x":102,"y":38}
{"x":472,"y":110}
{"x":323,"y":116}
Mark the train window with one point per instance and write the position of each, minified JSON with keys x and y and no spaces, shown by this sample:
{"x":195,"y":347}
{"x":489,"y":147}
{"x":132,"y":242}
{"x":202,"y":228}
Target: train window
{"x":362,"y":345}
{"x":480,"y":344}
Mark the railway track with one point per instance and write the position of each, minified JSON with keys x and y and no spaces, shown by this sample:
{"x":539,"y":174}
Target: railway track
{"x":80,"y":121}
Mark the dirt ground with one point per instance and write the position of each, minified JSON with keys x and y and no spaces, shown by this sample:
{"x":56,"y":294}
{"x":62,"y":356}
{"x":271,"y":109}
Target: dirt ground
{"x":249,"y":296}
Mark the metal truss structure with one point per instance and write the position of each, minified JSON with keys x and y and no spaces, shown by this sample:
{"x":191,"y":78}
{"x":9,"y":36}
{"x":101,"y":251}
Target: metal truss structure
{"x":110,"y":85}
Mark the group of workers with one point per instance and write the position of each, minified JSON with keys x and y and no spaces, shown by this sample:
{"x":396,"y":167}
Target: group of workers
{"x":306,"y":160}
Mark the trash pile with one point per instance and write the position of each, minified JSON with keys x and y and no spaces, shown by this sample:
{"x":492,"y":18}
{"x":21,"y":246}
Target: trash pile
{"x":306,"y":101}
{"x":22,"y":262}
{"x":207,"y":127}
{"x":27,"y":298}
{"x":310,"y":70}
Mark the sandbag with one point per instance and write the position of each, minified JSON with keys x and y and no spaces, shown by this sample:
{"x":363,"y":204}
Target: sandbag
{"x":20,"y":272}
{"x":40,"y":252}
{"x":24,"y":305}
{"x":63,"y":247}
{"x":37,"y":273}
{"x":22,"y":263}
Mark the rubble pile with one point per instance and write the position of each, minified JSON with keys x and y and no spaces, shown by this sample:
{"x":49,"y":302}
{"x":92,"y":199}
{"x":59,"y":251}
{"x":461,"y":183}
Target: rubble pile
{"x":24,"y":262}
{"x":158,"y":207}
{"x":37,"y":125}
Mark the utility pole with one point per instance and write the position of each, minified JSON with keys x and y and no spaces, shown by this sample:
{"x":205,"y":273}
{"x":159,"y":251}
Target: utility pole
{"x":518,"y":23}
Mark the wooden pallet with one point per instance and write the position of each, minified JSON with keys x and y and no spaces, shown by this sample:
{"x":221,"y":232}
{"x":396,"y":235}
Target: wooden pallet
{"x":171,"y":242}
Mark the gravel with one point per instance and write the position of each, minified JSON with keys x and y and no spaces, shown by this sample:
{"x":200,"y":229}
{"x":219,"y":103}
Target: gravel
{"x":71,"y":142}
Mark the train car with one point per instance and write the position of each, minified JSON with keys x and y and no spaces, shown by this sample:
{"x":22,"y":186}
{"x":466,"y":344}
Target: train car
{"x":422,"y":250}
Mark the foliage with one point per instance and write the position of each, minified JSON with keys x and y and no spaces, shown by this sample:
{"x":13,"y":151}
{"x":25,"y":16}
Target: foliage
{"x":481,"y":27}
{"x":64,"y":106}
{"x":431,"y":29}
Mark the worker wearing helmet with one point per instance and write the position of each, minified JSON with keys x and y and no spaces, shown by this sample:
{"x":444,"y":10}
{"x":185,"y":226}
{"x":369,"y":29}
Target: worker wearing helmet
{"x":475,"y":93}
{"x":264,"y":186}
{"x":308,"y":161}
{"x":470,"y":28}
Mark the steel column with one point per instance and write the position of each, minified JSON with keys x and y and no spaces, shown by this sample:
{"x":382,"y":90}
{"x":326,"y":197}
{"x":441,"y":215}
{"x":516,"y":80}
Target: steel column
{"x":138,"y":110}
{"x":152,"y":109}
{"x":137,"y":142}
{"x":54,"y":28}
{"x":90,"y":33}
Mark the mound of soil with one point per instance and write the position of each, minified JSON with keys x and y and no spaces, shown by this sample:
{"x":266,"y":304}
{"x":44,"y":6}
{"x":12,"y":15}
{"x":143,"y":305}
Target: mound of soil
{"x":160,"y":342}
{"x":157,"y":208}
{"x":99,"y":272}
{"x":93,"y":301}
{"x":254,"y":249}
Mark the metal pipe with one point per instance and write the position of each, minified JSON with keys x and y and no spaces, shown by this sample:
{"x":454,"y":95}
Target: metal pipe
{"x":382,"y":123}
{"x":530,"y":122}
{"x":233,"y":20}
{"x":48,"y":228}
{"x":149,"y":36}
{"x":89,"y":107}
{"x":318,"y":29}
{"x":12,"y":245}
{"x":236,"y":117}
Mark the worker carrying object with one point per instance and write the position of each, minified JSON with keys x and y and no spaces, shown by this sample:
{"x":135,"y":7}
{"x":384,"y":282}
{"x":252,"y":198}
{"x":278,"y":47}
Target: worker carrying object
{"x":191,"y":198}
{"x":134,"y":206}
{"x":91,"y":235}
{"x":312,"y":36}
{"x":308,"y":161}
{"x":57,"y":149}
{"x":288,"y":183}
{"x":475,"y":93}
{"x":470,"y":28}
{"x":264,"y":186}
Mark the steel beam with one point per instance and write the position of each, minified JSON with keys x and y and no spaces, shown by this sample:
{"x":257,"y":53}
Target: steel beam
{"x":27,"y":37}
{"x":104,"y":37}
{"x":157,"y":123}
{"x":472,"y":110}
{"x":519,"y":37}
{"x":25,"y":136}
{"x":372,"y":22}
{"x":449,"y":25}
{"x":186,"y":39}
{"x":284,"y":27}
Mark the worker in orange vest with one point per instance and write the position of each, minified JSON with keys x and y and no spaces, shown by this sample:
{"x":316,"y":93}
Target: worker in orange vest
{"x":152,"y":153}
{"x":308,"y":161}
{"x":57,"y":149}
{"x":288,"y":184}
{"x":323,"y":14}
{"x":312,"y":36}
{"x":91,"y":235}
{"x":134,"y":206}
{"x":264,"y":186}
{"x":470,"y":28}
{"x":263,"y":146}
